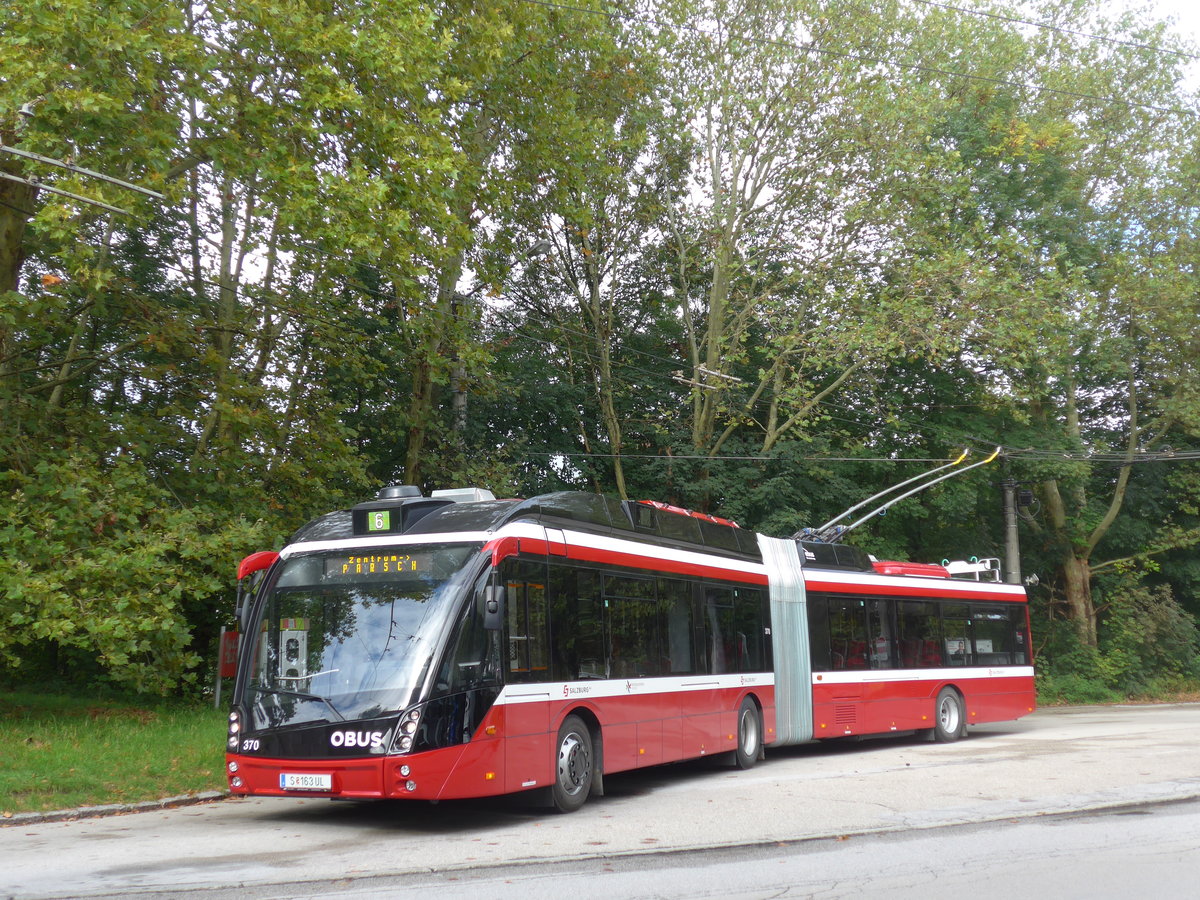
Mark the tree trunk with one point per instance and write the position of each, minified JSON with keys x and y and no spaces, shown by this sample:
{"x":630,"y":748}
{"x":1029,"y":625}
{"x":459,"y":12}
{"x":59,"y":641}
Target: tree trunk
{"x":1077,"y":579}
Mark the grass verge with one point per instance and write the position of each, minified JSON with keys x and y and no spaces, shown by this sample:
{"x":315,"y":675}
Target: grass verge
{"x":63,"y":752}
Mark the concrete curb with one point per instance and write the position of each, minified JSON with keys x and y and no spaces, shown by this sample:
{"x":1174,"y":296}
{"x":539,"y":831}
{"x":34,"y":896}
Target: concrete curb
{"x":111,"y":809}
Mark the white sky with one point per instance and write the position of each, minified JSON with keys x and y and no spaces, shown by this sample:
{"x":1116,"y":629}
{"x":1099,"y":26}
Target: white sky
{"x":1186,"y":14}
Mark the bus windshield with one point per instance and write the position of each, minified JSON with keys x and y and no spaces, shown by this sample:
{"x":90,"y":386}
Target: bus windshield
{"x":350,"y":634}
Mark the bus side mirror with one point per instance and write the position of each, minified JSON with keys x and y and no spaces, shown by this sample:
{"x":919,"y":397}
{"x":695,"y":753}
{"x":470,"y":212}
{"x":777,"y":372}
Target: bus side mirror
{"x":240,"y":610}
{"x":493,"y":608}
{"x":254,"y":565}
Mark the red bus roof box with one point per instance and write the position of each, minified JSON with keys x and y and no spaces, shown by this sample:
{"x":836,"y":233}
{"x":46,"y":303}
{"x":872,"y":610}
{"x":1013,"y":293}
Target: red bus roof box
{"x":890,"y":567}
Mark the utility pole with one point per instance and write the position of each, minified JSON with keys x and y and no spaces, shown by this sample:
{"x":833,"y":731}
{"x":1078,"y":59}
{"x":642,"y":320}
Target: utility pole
{"x":1012,"y":545}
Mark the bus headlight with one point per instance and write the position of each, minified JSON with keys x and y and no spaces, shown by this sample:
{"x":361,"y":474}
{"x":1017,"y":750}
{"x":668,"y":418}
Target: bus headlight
{"x":235,"y":728}
{"x":406,"y":731}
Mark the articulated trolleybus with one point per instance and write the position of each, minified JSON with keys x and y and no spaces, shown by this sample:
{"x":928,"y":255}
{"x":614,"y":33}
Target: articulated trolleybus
{"x":460,"y":646}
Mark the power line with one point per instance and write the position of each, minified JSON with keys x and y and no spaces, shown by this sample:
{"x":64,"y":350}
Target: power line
{"x":1184,"y":456}
{"x":28,"y":182}
{"x":80,"y":170}
{"x":701,"y":457}
{"x":1114,"y":458}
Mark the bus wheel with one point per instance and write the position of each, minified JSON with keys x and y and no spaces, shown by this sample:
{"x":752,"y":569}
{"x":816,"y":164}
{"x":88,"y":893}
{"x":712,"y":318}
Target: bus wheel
{"x":948,"y":716}
{"x":572,"y":765}
{"x":749,"y":735}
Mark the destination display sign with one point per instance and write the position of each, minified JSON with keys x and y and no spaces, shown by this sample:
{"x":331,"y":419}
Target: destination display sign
{"x":375,"y":565}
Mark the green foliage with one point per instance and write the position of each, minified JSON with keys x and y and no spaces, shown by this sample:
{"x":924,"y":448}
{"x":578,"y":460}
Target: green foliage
{"x":1149,"y":646}
{"x":1074,"y":689}
{"x":91,"y":747}
{"x":103,"y":564}
{"x":1146,"y":635}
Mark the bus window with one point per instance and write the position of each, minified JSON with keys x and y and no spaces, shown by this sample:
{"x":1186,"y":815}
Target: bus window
{"x":995,"y":635}
{"x":956,"y":632}
{"x":633,"y":626}
{"x":678,"y":627}
{"x":742,"y":626}
{"x":475,"y":658}
{"x":528,"y":638}
{"x":818,"y":633}
{"x":919,"y":634}
{"x":576,"y":625}
{"x":880,"y":641}
{"x":1020,"y":622}
{"x":718,"y":607}
{"x":847,"y":633}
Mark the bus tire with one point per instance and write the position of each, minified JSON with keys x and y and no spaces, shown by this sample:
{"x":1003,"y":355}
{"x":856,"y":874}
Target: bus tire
{"x":573,"y":765}
{"x":948,"y":716}
{"x":749,"y":735}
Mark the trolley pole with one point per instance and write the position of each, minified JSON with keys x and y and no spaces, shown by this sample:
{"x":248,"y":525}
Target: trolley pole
{"x":1012,"y":545}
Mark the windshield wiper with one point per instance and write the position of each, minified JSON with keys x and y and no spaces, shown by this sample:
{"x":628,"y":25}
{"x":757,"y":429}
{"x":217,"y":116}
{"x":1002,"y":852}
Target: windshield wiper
{"x":302,"y":696}
{"x":305,"y":677}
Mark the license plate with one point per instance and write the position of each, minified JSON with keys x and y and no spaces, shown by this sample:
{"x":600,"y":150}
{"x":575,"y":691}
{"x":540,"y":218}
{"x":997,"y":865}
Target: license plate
{"x":305,"y":781}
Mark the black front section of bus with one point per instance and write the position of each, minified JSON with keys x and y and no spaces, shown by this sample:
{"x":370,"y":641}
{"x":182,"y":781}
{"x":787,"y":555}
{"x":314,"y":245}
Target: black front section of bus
{"x":442,"y":722}
{"x":366,"y":651}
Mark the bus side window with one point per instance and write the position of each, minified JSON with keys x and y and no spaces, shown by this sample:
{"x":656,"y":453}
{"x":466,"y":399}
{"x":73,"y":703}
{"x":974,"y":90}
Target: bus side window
{"x":997,"y":641}
{"x":473,"y":659}
{"x":744,"y":631}
{"x":633,"y":626}
{"x":880,"y":641}
{"x":919,"y":634}
{"x":1020,"y":636}
{"x":576,"y":625}
{"x":718,"y":610}
{"x":818,"y":633}
{"x":957,"y":635}
{"x":528,"y":628}
{"x":678,"y":627}
{"x":848,"y":633}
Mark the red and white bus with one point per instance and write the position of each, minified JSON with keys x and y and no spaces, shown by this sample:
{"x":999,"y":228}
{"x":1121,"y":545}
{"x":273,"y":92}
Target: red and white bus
{"x":460,"y":646}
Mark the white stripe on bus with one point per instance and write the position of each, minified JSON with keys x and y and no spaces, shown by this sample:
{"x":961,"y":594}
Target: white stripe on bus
{"x":923,"y":583}
{"x":881,"y":676}
{"x":386,"y":540}
{"x":653,"y":553}
{"x":627,"y":687}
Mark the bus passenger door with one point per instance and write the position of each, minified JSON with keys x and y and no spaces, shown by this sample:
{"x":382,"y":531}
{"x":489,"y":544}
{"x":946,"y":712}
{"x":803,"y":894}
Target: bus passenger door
{"x":840,"y":644}
{"x":526,"y":670}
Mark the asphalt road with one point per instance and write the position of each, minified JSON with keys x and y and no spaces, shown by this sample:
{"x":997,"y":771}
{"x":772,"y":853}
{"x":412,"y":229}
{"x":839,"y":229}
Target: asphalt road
{"x":1056,"y":762}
